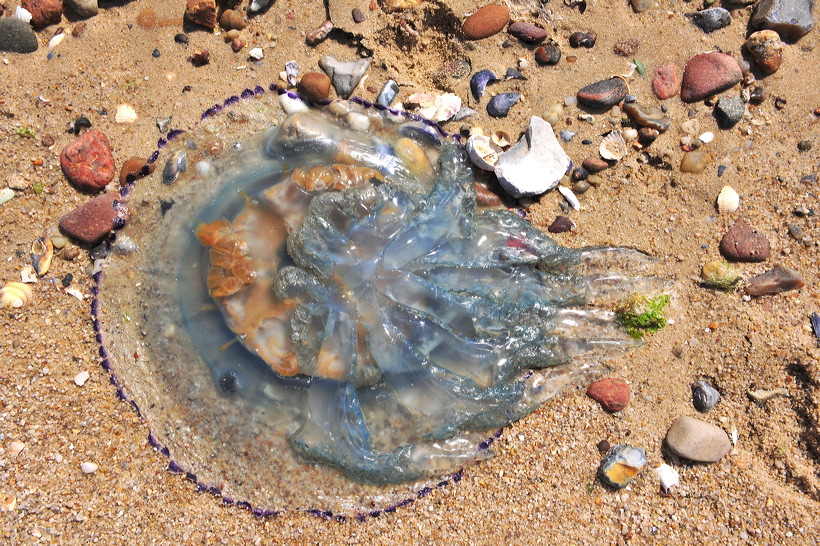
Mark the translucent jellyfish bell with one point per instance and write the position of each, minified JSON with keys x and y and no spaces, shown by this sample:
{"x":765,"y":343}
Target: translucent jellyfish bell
{"x":321,"y":318}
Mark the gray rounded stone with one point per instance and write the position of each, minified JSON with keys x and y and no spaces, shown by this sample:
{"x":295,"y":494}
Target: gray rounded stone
{"x":729,"y":110}
{"x":82,"y":8}
{"x":17,"y":36}
{"x":698,"y":441}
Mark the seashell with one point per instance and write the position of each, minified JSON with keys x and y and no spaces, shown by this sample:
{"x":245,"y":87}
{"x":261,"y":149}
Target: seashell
{"x":707,"y":137}
{"x":483,"y":152}
{"x":499,"y":106}
{"x":570,"y":197}
{"x":501,"y":138}
{"x":463,"y":113}
{"x":513,"y":74}
{"x":27,"y":274}
{"x":42,"y":251}
{"x":55,"y":40}
{"x":446,"y":106}
{"x":420,"y":101}
{"x":125,"y":114}
{"x":14,"y":295}
{"x":479,"y":82}
{"x":668,"y":477}
{"x":421,"y":132}
{"x":621,"y":464}
{"x":257,"y":55}
{"x":704,"y":396}
{"x":8,"y":502}
{"x":23,"y":14}
{"x":388,"y":94}
{"x":292,"y":73}
{"x":728,"y":200}
{"x":6,"y":194}
{"x":176,"y":164}
{"x":613,"y":147}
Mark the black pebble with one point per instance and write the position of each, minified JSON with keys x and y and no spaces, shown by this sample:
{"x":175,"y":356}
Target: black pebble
{"x":66,"y":281}
{"x":156,"y":53}
{"x":181,"y":38}
{"x":586,"y":142}
{"x":99,"y":252}
{"x":579,"y":173}
{"x":165,"y":206}
{"x":81,"y":123}
{"x":804,"y":145}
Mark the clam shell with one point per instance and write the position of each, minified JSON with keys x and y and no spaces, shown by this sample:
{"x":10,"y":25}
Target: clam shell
{"x":728,"y":200}
{"x":501,"y":138}
{"x":125,"y":114}
{"x":613,"y":147}
{"x":14,"y":295}
{"x":483,"y":152}
{"x":446,"y":106}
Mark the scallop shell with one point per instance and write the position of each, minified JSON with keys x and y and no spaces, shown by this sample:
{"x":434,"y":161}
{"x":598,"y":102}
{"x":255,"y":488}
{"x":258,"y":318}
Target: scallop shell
{"x":501,"y":138}
{"x":483,"y":152}
{"x":613,"y":147}
{"x":14,"y":295}
{"x":125,"y":114}
{"x":728,"y":200}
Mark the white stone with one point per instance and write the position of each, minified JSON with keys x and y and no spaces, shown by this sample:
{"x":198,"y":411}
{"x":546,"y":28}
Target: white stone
{"x":89,"y":468}
{"x":256,"y":53}
{"x":292,"y":105}
{"x":535,"y":164}
{"x":81,"y":378}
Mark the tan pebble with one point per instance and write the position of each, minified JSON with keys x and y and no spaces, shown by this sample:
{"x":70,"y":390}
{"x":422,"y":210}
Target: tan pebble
{"x":232,"y":21}
{"x":766,"y":50}
{"x":16,"y":447}
{"x":694,"y":162}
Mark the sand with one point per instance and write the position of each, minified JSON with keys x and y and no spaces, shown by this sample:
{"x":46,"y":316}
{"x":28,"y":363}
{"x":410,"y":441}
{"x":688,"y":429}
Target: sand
{"x":540,"y":487}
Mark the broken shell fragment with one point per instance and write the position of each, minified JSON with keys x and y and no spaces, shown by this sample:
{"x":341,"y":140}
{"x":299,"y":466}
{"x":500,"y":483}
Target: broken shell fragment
{"x":42,"y":251}
{"x":728,"y":200}
{"x":501,"y":138}
{"x":668,"y":476}
{"x":621,"y":464}
{"x":125,"y":114}
{"x":613,"y":147}
{"x":446,"y":106}
{"x":483,"y":152}
{"x":14,"y":295}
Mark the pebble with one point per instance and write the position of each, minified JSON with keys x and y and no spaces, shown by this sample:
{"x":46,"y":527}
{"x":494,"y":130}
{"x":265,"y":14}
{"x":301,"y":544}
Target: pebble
{"x":648,"y":135}
{"x":561,"y":224}
{"x":641,"y":5}
{"x":133,"y":166}
{"x":548,"y":54}
{"x":620,"y":465}
{"x":704,"y":396}
{"x":527,"y":32}
{"x":344,"y":75}
{"x":81,"y":378}
{"x":611,"y":392}
{"x":708,"y":74}
{"x":695,"y":162}
{"x":87,"y":162}
{"x":499,"y":106}
{"x":626,"y":48}
{"x":17,"y":36}
{"x":318,"y":35}
{"x":647,"y":116}
{"x":604,"y":93}
{"x":232,"y":20}
{"x":777,"y":280}
{"x":697,"y":440}
{"x":583,"y":39}
{"x":712,"y":19}
{"x":92,"y":221}
{"x":43,"y":12}
{"x":766,"y":49}
{"x":741,"y":244}
{"x":485,"y":22}
{"x":6,"y":194}
{"x":729,"y":110}
{"x":666,"y":82}
{"x":357,"y":15}
{"x":89,"y":468}
{"x":314,"y":86}
{"x":201,"y":12}
{"x":595,"y":164}
{"x":791,"y":19}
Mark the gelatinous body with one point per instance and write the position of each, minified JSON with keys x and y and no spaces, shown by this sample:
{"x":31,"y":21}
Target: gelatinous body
{"x":326,"y":318}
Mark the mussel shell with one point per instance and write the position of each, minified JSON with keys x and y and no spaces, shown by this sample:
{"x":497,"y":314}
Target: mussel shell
{"x":176,"y":164}
{"x":42,"y":251}
{"x":704,"y":396}
{"x":479,"y":82}
{"x":499,"y":106}
{"x":388,"y":93}
{"x":421,"y":132}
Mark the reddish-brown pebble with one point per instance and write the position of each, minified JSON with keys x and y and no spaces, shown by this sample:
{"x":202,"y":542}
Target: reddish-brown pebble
{"x":611,"y":392}
{"x":232,"y":20}
{"x":43,"y":12}
{"x":595,"y":164}
{"x":527,"y":32}
{"x":766,"y":49}
{"x":560,"y":225}
{"x":548,"y":54}
{"x":708,"y":74}
{"x":133,"y":166}
{"x":202,"y":12}
{"x":87,"y":162}
{"x":315,"y":86}
{"x":666,"y":82}
{"x":780,"y":279}
{"x":94,"y":220}
{"x":485,"y":22}
{"x":742,"y":244}
{"x":485,"y":197}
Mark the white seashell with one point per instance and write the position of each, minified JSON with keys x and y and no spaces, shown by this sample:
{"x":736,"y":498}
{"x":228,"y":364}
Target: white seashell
{"x":501,"y":138}
{"x":23,"y":13}
{"x":81,"y":378}
{"x":125,"y":114}
{"x":613,"y":147}
{"x":256,"y":54}
{"x":27,"y":274}
{"x":483,"y":152}
{"x":570,"y":197}
{"x":420,"y":100}
{"x":6,"y":194}
{"x":668,"y":476}
{"x":707,"y":137}
{"x":14,"y":295}
{"x":74,"y":292}
{"x":89,"y":468}
{"x":55,"y":41}
{"x":728,"y":200}
{"x":446,"y":107}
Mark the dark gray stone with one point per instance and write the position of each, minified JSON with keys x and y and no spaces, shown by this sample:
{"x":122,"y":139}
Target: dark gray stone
{"x":17,"y":36}
{"x":604,"y":93}
{"x":712,"y":19}
{"x":729,"y":110}
{"x":792,"y":19}
{"x":704,"y":396}
{"x":345,"y":75}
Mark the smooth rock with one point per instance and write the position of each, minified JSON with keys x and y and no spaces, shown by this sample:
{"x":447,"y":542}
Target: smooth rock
{"x":232,"y":20}
{"x":698,"y":441}
{"x":647,"y":116}
{"x":345,"y":75}
{"x":704,"y":396}
{"x":641,"y":5}
{"x":134,"y":166}
{"x":88,"y":467}
{"x":548,"y":54}
{"x":729,"y":110}
{"x":766,"y":49}
{"x":712,"y":19}
{"x":648,"y":135}
{"x":583,"y":39}
{"x":314,"y":86}
{"x":527,"y":32}
{"x":742,"y":244}
{"x":611,"y":392}
{"x":708,"y":74}
{"x":621,"y":464}
{"x":666,"y":82}
{"x":695,"y":162}
{"x":604,"y":93}
{"x":17,"y":36}
{"x":87,"y":162}
{"x":595,"y":164}
{"x":82,"y":8}
{"x":43,"y":12}
{"x":91,"y":222}
{"x":535,"y":164}
{"x":485,"y":22}
{"x":777,"y":280}
{"x":561,"y":224}
{"x":791,"y":19}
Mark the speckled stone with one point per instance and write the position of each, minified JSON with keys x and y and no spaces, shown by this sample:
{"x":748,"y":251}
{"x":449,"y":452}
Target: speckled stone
{"x":91,"y":222}
{"x":611,"y":392}
{"x":17,"y":36}
{"x":88,"y":162}
{"x":548,"y":54}
{"x":604,"y":93}
{"x":766,"y":49}
{"x":666,"y":82}
{"x":791,"y":19}
{"x":485,"y":22}
{"x":729,"y":110}
{"x":698,"y":441}
{"x":708,"y":74}
{"x":742,"y":244}
{"x":712,"y":19}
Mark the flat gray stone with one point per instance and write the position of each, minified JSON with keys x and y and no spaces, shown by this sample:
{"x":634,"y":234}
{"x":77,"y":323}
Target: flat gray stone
{"x":698,"y":441}
{"x":792,"y":19}
{"x":345,"y":75}
{"x":17,"y":36}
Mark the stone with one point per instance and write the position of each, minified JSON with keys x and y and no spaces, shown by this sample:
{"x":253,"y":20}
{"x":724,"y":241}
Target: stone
{"x":88,"y":162}
{"x":697,"y":440}
{"x":94,"y":220}
{"x":344,"y":75}
{"x":766,"y":49}
{"x":232,"y":20}
{"x":791,"y":19}
{"x":527,"y":32}
{"x":621,"y":464}
{"x":742,"y":244}
{"x":561,"y":224}
{"x":626,"y":48}
{"x":777,"y":280}
{"x":695,"y":162}
{"x":611,"y":392}
{"x":666,"y":82}
{"x":712,"y":19}
{"x":604,"y":93}
{"x":43,"y":12}
{"x":201,"y":12}
{"x":708,"y":74}
{"x":548,"y":54}
{"x":134,"y":166}
{"x":314,"y":86}
{"x":595,"y":164}
{"x":729,"y":110}
{"x":641,"y":5}
{"x":82,"y":8}
{"x":719,"y":274}
{"x":17,"y":36}
{"x":704,"y":396}
{"x":647,"y":116}
{"x":485,"y":22}
{"x":535,"y":164}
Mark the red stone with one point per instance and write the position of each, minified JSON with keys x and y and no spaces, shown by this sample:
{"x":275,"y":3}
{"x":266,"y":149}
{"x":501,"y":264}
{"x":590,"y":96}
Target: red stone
{"x":315,"y":86}
{"x":708,"y":74}
{"x":611,"y":392}
{"x":485,"y":22}
{"x":527,"y":32}
{"x":91,"y":222}
{"x":87,"y":162}
{"x":43,"y":12}
{"x":666,"y":82}
{"x":742,"y":244}
{"x":202,"y":12}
